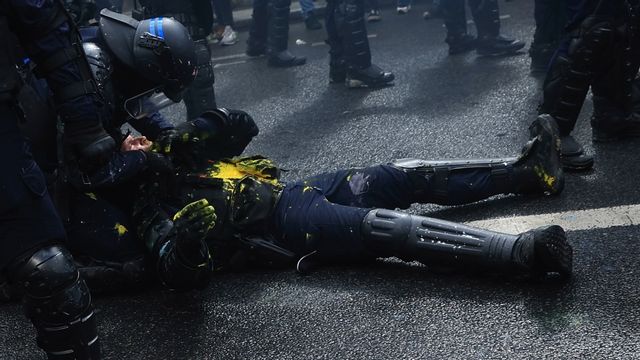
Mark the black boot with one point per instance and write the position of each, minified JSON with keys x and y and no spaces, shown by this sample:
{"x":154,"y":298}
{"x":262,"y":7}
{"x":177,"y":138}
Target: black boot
{"x":535,"y":253}
{"x":572,"y":155}
{"x":285,"y":59}
{"x":538,"y":169}
{"x":498,"y":45}
{"x":373,"y":76}
{"x":461,"y":44}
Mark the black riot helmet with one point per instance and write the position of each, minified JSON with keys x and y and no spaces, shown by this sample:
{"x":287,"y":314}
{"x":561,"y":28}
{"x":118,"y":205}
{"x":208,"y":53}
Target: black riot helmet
{"x":160,"y":50}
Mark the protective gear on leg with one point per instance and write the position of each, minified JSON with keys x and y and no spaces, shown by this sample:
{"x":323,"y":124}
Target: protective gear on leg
{"x":257,"y":42}
{"x":536,"y":170}
{"x":200,"y":96}
{"x":352,"y":28}
{"x":58,"y":303}
{"x":540,"y":252}
{"x":609,"y":122}
{"x":571,"y":75}
{"x":278,"y":30}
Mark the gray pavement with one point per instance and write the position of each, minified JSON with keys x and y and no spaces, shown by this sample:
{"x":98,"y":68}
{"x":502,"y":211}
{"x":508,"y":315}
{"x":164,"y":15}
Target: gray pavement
{"x":440,"y":107}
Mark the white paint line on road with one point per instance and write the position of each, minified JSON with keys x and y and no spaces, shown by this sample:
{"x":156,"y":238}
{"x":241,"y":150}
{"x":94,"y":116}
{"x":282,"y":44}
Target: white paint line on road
{"x":371,"y":36}
{"x":319,"y":43}
{"x":577,"y":220}
{"x":229,"y":64}
{"x":502,"y":17}
{"x":228,"y":57}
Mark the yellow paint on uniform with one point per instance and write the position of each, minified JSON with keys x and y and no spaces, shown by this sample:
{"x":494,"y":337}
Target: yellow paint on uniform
{"x":239,"y":168}
{"x":548,"y":179}
{"x":121,"y":229}
{"x":91,"y":195}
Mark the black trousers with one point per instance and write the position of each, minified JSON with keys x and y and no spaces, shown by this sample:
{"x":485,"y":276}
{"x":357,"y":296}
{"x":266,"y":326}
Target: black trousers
{"x":28,"y":218}
{"x":486,"y":16}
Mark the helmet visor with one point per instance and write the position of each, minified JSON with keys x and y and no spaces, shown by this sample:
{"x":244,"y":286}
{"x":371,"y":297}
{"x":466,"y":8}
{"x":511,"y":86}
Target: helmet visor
{"x":147,"y":103}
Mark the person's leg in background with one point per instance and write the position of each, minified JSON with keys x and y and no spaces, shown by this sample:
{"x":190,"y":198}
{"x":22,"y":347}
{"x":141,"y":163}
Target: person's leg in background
{"x":486,"y":15}
{"x":257,"y":42}
{"x":308,"y":14}
{"x":223,"y":32}
{"x":455,"y":20}
{"x":278,"y":35}
{"x":551,"y":18}
{"x":350,"y":54}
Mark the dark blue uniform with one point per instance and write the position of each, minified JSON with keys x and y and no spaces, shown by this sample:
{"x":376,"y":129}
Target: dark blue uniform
{"x":27,"y":216}
{"x":326,"y":212}
{"x":99,"y":205}
{"x":56,"y":299}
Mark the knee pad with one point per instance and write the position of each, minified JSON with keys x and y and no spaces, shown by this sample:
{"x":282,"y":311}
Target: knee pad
{"x":58,"y":303}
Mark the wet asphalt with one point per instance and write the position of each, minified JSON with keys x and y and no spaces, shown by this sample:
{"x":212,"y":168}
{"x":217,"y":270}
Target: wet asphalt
{"x":440,"y":107}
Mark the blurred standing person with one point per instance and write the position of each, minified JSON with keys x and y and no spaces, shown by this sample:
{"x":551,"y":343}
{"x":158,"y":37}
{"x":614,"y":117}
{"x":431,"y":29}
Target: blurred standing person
{"x":269,"y":33}
{"x":308,"y":14}
{"x":486,"y":16}
{"x":601,"y":53}
{"x":197,"y":17}
{"x":350,"y":56}
{"x":551,"y":19}
{"x":223,"y":32}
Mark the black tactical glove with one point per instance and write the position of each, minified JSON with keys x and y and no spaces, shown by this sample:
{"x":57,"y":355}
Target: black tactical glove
{"x":186,"y":263}
{"x":88,"y":144}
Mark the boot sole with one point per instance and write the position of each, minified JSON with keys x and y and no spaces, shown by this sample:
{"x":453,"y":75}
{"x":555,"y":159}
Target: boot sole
{"x":554,"y":254}
{"x":545,"y":127}
{"x":356,"y":84}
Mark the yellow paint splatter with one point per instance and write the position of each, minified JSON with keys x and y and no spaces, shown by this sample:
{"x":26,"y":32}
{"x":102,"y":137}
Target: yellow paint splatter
{"x":548,"y":179}
{"x":91,"y":195}
{"x":121,"y":229}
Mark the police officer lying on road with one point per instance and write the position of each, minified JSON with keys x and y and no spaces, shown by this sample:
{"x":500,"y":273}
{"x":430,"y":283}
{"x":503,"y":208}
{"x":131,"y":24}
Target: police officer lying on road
{"x":220,"y":211}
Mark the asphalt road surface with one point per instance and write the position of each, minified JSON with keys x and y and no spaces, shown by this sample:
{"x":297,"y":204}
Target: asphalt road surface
{"x":440,"y":107}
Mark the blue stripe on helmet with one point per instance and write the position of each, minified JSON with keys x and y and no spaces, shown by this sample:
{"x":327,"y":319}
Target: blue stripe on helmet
{"x":160,"y":30}
{"x":152,"y":26}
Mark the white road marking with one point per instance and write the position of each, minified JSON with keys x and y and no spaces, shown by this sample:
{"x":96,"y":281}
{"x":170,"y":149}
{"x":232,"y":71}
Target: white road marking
{"x":319,"y":43}
{"x":229,"y":64}
{"x":602,"y":218}
{"x":371,"y":36}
